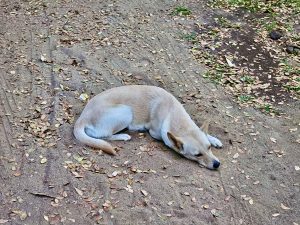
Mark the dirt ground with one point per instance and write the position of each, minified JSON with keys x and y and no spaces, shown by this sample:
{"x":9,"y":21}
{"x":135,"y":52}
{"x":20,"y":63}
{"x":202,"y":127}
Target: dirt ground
{"x":54,"y":51}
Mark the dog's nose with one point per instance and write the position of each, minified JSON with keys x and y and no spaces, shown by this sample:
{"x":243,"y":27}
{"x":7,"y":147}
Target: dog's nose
{"x":216,"y":164}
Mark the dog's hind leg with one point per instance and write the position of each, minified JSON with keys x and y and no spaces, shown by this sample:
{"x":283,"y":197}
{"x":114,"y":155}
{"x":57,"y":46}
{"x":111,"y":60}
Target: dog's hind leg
{"x":113,"y":119}
{"x":215,"y":142}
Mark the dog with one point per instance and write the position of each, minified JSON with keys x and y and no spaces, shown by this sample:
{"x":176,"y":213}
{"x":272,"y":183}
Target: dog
{"x":145,"y":108}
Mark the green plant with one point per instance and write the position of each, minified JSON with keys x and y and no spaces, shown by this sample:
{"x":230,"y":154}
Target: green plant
{"x":182,"y":11}
{"x":295,"y":88}
{"x":245,"y":98}
{"x":190,"y":37}
{"x":247,"y":79}
{"x":215,"y":77}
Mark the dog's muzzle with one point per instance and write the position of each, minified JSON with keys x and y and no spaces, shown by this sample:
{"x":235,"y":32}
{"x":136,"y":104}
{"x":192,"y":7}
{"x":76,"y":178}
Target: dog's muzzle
{"x":216,"y":164}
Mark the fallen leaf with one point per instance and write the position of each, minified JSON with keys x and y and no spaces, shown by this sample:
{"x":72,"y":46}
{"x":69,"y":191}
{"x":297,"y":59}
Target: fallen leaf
{"x":235,"y":156}
{"x":145,"y":193}
{"x":214,"y":212}
{"x":275,"y":214}
{"x":256,"y":182}
{"x":251,"y":201}
{"x":229,"y":62}
{"x":22,"y":214}
{"x":205,"y":206}
{"x":293,"y":129}
{"x":297,"y":168}
{"x":80,"y":192}
{"x":129,"y":189}
{"x":273,"y":139}
{"x":43,"y":160}
{"x":115,"y":173}
{"x":3,"y":221}
{"x":43,"y":58}
{"x":284,"y":207}
{"x":170,"y":203}
{"x":83,"y":97}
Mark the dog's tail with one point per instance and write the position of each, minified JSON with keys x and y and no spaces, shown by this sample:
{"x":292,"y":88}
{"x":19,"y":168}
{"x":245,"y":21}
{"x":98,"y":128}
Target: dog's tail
{"x":81,"y":136}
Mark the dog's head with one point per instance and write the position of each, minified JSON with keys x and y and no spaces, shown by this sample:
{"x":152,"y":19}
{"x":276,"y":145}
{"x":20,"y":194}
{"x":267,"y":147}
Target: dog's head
{"x":196,"y":146}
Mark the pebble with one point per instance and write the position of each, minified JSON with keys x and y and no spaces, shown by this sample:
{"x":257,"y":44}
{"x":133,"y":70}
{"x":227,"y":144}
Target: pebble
{"x":275,"y":35}
{"x":293,"y":49}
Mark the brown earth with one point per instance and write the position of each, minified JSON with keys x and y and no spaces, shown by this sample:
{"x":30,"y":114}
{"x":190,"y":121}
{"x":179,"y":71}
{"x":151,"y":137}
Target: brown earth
{"x":53,"y":52}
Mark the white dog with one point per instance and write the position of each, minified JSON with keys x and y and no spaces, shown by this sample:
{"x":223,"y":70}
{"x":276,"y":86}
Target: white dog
{"x":141,"y":107}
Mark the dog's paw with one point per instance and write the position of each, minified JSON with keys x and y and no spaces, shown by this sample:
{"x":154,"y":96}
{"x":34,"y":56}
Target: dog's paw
{"x":215,"y":142}
{"x":120,"y":137}
{"x":124,"y":137}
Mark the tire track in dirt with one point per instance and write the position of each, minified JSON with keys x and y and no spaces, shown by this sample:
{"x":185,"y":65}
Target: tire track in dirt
{"x":5,"y":113}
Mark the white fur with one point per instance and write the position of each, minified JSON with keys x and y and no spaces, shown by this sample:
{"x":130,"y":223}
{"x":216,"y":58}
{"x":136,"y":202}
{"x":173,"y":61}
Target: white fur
{"x":143,"y":108}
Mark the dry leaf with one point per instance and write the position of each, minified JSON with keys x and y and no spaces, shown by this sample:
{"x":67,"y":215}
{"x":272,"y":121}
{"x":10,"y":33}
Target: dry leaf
{"x":235,"y":156}
{"x":275,"y":214}
{"x":251,"y":201}
{"x":205,"y":206}
{"x":115,"y":173}
{"x":256,"y":182}
{"x":145,"y":193}
{"x":80,"y":192}
{"x":284,"y":207}
{"x":214,"y":212}
{"x":46,"y":218}
{"x":43,"y":58}
{"x":293,"y":129}
{"x":3,"y":221}
{"x":229,"y":62}
{"x":297,"y":168}
{"x":129,"y":189}
{"x":43,"y":160}
{"x":21,"y":214}
{"x":83,"y":97}
{"x":273,"y":139}
{"x":170,"y":203}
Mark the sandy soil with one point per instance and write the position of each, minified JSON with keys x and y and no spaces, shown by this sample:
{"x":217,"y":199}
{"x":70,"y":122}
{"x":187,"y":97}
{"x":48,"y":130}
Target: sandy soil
{"x":53,"y":52}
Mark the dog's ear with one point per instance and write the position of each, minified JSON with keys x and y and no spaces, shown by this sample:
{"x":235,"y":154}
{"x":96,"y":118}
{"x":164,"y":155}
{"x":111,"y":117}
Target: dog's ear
{"x":205,"y":126}
{"x":175,"y":140}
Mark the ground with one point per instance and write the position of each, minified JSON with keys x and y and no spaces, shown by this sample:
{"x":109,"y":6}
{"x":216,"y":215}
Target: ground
{"x":55,"y":54}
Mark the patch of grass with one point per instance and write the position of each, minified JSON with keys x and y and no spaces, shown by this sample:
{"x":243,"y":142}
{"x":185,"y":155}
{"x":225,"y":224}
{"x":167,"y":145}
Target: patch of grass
{"x":294,"y":85}
{"x":258,"y":5}
{"x":182,"y":11}
{"x":288,"y":69}
{"x":295,"y":88}
{"x":190,"y":37}
{"x":215,"y":77}
{"x":247,"y":79}
{"x":245,"y":98}
{"x":267,"y":108}
{"x":270,"y":26}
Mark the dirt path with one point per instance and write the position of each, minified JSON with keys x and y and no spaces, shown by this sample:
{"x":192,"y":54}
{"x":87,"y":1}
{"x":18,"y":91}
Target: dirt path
{"x":53,"y":52}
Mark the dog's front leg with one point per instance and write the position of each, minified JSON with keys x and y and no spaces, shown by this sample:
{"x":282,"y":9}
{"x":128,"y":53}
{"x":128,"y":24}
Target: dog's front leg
{"x":215,"y":142}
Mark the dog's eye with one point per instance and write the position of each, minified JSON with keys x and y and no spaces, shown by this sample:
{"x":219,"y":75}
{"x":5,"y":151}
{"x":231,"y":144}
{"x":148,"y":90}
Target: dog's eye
{"x":199,"y":154}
